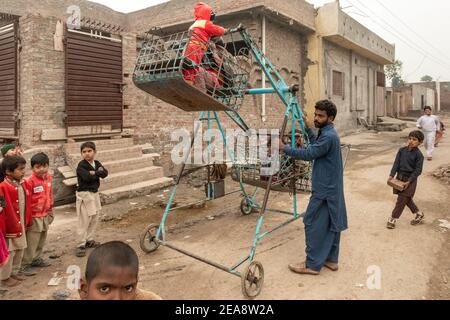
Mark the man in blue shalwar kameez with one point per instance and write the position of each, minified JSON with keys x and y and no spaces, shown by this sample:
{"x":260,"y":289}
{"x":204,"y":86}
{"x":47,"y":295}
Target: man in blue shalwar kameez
{"x":326,"y":215}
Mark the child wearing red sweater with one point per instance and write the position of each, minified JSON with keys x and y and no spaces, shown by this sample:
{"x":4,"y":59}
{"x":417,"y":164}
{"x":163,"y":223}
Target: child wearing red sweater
{"x":40,"y":183}
{"x":4,"y":253}
{"x":17,"y":217}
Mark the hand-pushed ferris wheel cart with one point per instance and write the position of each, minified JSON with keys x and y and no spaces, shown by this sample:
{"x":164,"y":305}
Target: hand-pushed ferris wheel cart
{"x":224,"y":74}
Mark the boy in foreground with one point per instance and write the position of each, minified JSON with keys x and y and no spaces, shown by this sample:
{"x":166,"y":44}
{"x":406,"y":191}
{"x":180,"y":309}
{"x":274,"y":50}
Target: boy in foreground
{"x":112,"y":274}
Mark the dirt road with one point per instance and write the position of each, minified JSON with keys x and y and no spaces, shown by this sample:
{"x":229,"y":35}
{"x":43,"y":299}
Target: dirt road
{"x":412,"y":262}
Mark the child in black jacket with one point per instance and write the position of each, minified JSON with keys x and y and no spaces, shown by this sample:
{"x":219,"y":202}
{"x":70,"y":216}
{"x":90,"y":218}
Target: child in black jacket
{"x":89,"y":172}
{"x":407,"y":167}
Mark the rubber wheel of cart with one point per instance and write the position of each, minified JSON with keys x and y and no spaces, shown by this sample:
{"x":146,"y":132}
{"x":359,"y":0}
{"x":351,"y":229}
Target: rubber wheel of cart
{"x":246,"y":208}
{"x":252,"y":280}
{"x":148,"y":240}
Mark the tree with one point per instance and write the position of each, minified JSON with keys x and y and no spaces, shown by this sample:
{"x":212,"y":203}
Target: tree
{"x":394,"y":73}
{"x":426,"y":78}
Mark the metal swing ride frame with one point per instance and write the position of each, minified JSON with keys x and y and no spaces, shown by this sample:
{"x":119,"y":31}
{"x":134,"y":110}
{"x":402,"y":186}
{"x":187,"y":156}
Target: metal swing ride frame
{"x":252,"y":278}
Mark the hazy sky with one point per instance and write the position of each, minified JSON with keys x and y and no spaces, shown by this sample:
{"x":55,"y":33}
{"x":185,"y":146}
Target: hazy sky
{"x":420,"y":30}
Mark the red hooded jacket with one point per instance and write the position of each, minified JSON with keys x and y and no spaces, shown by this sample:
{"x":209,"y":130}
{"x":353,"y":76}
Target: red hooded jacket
{"x":11,"y":217}
{"x":2,"y":222}
{"x":202,"y":30}
{"x":2,"y":216}
{"x":41,"y":195}
{"x":203,"y":27}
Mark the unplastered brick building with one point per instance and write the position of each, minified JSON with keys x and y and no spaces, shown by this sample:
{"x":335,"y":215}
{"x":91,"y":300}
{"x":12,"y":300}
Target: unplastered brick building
{"x":60,"y":86}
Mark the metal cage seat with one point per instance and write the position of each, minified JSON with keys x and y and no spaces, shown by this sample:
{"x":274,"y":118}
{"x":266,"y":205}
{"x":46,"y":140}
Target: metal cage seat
{"x":164,"y":62}
{"x":287,"y":172}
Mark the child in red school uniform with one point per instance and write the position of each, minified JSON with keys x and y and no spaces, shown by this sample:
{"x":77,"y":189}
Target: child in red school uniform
{"x":4,"y":253}
{"x":40,"y":183}
{"x":16,"y":216}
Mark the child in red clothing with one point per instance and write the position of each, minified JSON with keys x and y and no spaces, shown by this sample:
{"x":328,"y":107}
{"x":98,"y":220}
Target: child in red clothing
{"x":4,"y":253}
{"x":202,"y":30}
{"x":17,"y":217}
{"x":40,"y":183}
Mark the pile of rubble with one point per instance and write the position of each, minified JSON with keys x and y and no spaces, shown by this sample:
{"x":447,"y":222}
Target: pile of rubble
{"x":443,"y":174}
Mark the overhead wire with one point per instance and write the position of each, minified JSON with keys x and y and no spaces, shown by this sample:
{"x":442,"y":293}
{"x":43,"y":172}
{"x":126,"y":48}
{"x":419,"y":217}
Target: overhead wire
{"x":412,"y":30}
{"x":399,"y":35}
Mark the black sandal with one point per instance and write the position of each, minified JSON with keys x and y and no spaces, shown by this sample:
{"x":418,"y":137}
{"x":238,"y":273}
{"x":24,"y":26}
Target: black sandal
{"x":92,"y":244}
{"x":81,"y":252}
{"x":418,"y":219}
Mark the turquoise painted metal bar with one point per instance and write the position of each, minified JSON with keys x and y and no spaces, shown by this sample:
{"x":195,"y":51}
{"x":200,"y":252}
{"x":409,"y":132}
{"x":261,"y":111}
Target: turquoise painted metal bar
{"x":234,"y":267}
{"x":160,"y":234}
{"x":208,"y":148}
{"x":266,"y":90}
{"x":224,"y":137}
{"x":265,"y":234}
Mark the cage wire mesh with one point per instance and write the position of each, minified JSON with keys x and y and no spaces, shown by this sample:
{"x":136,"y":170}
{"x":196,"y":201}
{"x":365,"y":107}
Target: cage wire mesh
{"x":255,"y":163}
{"x":219,"y":67}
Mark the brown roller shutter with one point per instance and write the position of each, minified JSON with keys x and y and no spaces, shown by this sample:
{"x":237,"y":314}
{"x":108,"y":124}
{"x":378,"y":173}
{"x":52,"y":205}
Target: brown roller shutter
{"x":381,"y":79}
{"x":93,"y":81}
{"x":338,"y":83}
{"x":8,"y":78}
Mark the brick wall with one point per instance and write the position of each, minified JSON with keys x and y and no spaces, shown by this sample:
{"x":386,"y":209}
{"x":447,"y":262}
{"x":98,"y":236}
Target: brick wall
{"x":41,"y":79}
{"x":58,"y":8}
{"x":179,"y":11}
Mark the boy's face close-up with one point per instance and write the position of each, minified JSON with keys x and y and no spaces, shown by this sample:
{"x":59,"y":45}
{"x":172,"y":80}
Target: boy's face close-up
{"x":40,"y":169}
{"x":413,"y":142}
{"x":427,"y":112}
{"x":88,"y":154}
{"x":11,"y":152}
{"x":18,"y":173}
{"x":113,"y":283}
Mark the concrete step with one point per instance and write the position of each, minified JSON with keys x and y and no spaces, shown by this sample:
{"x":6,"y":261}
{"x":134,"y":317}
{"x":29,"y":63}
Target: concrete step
{"x":109,"y":155}
{"x":391,"y":126}
{"x":147,"y":148}
{"x":135,"y":189}
{"x":129,"y":164}
{"x":125,"y":178}
{"x":108,"y":144}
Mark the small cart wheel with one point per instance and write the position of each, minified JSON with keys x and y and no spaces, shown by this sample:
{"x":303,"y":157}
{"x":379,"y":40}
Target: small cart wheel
{"x":148,"y":239}
{"x":252,"y":280}
{"x":246,"y":207}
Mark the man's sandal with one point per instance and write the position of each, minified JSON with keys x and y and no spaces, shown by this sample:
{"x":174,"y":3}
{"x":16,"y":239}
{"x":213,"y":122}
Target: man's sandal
{"x":301,"y":268}
{"x":331,"y":265}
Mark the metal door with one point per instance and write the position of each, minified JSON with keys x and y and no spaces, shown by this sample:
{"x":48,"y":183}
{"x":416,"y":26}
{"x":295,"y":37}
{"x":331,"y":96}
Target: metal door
{"x":8,"y":78}
{"x":93,"y":80}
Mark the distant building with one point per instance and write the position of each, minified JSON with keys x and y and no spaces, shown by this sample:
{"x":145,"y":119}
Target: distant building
{"x":410,"y":99}
{"x":442,"y":96}
{"x":347,"y":66}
